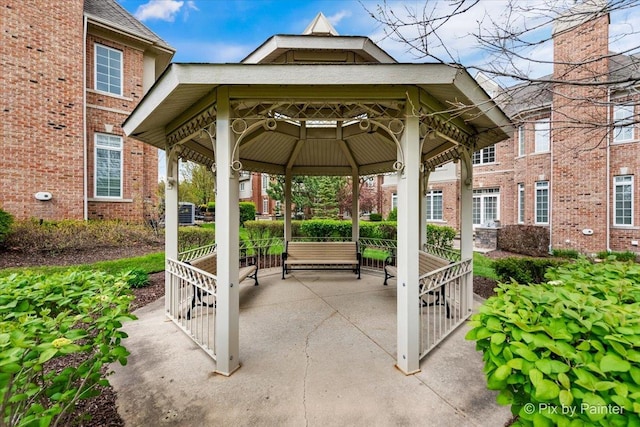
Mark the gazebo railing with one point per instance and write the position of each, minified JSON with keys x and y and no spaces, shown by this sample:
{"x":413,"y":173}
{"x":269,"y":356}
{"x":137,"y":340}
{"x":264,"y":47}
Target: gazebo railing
{"x":442,"y":252}
{"x":376,"y":251}
{"x":191,"y":300}
{"x":444,"y":304}
{"x":195,"y":253}
{"x":267,"y":252}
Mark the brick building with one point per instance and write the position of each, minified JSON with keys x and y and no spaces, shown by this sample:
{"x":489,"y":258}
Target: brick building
{"x":572,"y":165}
{"x":72,"y":72}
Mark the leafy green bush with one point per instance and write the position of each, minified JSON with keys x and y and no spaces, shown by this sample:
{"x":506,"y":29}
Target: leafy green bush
{"x":565,"y":253}
{"x":58,"y":236}
{"x":523,"y":270}
{"x":5,"y":224}
{"x":211,"y":207}
{"x":247,"y":212}
{"x":321,"y":228}
{"x":137,"y":278}
{"x":194,"y":237}
{"x":440,"y":235}
{"x":565,"y":352}
{"x":618,"y":256}
{"x":375,"y":217}
{"x":75,"y":315}
{"x":393,"y":215}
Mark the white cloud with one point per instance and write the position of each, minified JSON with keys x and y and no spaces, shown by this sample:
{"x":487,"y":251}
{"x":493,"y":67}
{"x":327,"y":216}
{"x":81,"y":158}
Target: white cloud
{"x":338,"y":16}
{"x":164,"y":10}
{"x":191,"y":5}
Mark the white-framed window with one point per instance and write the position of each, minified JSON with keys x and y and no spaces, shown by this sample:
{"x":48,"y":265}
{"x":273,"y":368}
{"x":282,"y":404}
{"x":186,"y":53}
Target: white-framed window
{"x":265,"y":181}
{"x":434,"y":205}
{"x":542,"y":136}
{"x":394,"y":201}
{"x":520,"y":203}
{"x":542,"y":202}
{"x":242,"y":186}
{"x":108,"y":70}
{"x":486,"y":206}
{"x":108,"y":165}
{"x":623,"y":200}
{"x":521,"y":147}
{"x":623,"y":123}
{"x":265,"y":206}
{"x":485,"y":155}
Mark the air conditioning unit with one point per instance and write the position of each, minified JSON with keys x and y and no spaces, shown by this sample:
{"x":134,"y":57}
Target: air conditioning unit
{"x":186,"y":213}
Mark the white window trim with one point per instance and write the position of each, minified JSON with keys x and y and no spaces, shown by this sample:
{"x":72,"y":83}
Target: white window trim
{"x":539,"y":187}
{"x":615,"y":185}
{"x":539,"y":131}
{"x":95,"y":70}
{"x":482,"y":151}
{"x":96,"y":145}
{"x":521,"y":203}
{"x":482,"y":194}
{"x":431,"y":195}
{"x":627,"y":122}
{"x":394,"y":200}
{"x":521,"y":141}
{"x":265,"y":206}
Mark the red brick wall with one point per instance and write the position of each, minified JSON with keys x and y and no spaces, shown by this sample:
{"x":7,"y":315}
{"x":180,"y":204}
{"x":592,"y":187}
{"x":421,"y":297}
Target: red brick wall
{"x":579,"y":135}
{"x":140,"y":162}
{"x":42,"y":130}
{"x":41,"y":146}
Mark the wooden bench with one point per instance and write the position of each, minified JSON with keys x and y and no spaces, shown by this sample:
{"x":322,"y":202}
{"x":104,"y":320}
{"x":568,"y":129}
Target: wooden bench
{"x":209,"y":263}
{"x":321,"y":256}
{"x":426,"y":263}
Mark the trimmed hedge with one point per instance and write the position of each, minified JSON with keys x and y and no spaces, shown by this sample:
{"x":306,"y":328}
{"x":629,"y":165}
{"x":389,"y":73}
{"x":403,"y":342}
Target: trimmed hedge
{"x":247,"y":212}
{"x":5,"y":225}
{"x":529,"y":240}
{"x":523,"y":270}
{"x":565,"y":352}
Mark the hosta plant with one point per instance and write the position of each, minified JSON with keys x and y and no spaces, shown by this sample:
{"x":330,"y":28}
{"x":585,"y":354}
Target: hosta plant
{"x":566,"y":352}
{"x":56,"y":334}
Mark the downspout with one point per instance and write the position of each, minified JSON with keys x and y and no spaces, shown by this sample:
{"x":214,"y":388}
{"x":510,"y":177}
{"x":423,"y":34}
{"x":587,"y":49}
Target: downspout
{"x":551,"y":181}
{"x":85,"y":201}
{"x":608,"y":171}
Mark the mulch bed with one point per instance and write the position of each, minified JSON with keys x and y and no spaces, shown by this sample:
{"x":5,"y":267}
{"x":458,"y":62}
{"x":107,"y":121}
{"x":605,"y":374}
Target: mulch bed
{"x":102,"y":409}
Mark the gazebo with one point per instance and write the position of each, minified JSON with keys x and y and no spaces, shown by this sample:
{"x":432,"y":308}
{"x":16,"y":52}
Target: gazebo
{"x":317,"y":104}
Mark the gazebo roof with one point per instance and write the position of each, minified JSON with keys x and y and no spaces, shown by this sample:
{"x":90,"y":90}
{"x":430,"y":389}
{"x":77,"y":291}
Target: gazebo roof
{"x":318,"y":104}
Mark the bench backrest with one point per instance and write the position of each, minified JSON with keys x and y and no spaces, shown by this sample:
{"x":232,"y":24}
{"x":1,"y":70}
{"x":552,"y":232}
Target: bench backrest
{"x":322,"y":251}
{"x":428,"y":262}
{"x":208,"y":263}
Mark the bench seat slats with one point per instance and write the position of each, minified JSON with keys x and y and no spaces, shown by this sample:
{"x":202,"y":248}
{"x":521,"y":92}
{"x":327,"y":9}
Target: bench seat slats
{"x":321,"y":256}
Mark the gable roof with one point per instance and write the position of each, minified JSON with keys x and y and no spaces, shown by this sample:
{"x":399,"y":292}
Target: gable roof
{"x":111,"y":13}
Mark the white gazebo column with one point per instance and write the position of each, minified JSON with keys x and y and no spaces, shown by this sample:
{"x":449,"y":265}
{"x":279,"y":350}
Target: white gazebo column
{"x":287,"y":205}
{"x":424,"y":184}
{"x":355,"y":206}
{"x":408,"y":242}
{"x":466,"y":225}
{"x":227,"y":224}
{"x":170,"y":219}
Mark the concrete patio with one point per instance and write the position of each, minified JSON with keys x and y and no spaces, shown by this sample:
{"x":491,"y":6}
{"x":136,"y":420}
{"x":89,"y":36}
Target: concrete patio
{"x":317,"y":349}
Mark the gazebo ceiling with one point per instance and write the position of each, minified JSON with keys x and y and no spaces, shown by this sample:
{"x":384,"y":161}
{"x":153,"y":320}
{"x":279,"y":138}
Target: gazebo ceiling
{"x":341,"y":112}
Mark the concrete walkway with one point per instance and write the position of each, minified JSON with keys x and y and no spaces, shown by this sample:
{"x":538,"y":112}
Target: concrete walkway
{"x":316,"y":350}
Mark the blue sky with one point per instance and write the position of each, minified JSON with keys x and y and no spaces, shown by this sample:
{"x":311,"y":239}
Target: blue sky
{"x":222,"y":31}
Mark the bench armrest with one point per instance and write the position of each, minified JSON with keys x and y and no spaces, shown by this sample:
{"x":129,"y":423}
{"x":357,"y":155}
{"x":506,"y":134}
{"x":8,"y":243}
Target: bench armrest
{"x":284,"y":256}
{"x":389,"y":260}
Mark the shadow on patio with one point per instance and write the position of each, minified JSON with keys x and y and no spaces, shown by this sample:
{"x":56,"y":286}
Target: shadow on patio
{"x":316,"y":349}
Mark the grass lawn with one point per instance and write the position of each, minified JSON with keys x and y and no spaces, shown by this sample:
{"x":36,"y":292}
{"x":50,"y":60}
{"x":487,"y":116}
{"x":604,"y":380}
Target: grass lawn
{"x":151,"y":263}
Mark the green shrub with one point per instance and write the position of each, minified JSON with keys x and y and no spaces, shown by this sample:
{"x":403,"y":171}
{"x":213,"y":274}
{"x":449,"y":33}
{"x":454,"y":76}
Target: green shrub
{"x":258,"y":230}
{"x":375,"y":217}
{"x":393,"y":215}
{"x":523,"y":270}
{"x":247,"y":212}
{"x":211,"y":207}
{"x":617,"y":256}
{"x":194,"y":237}
{"x":5,"y":224}
{"x":440,"y":235}
{"x":137,"y":278}
{"x":77,"y":316}
{"x":565,"y":253}
{"x":565,"y":352}
{"x":58,"y":236}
